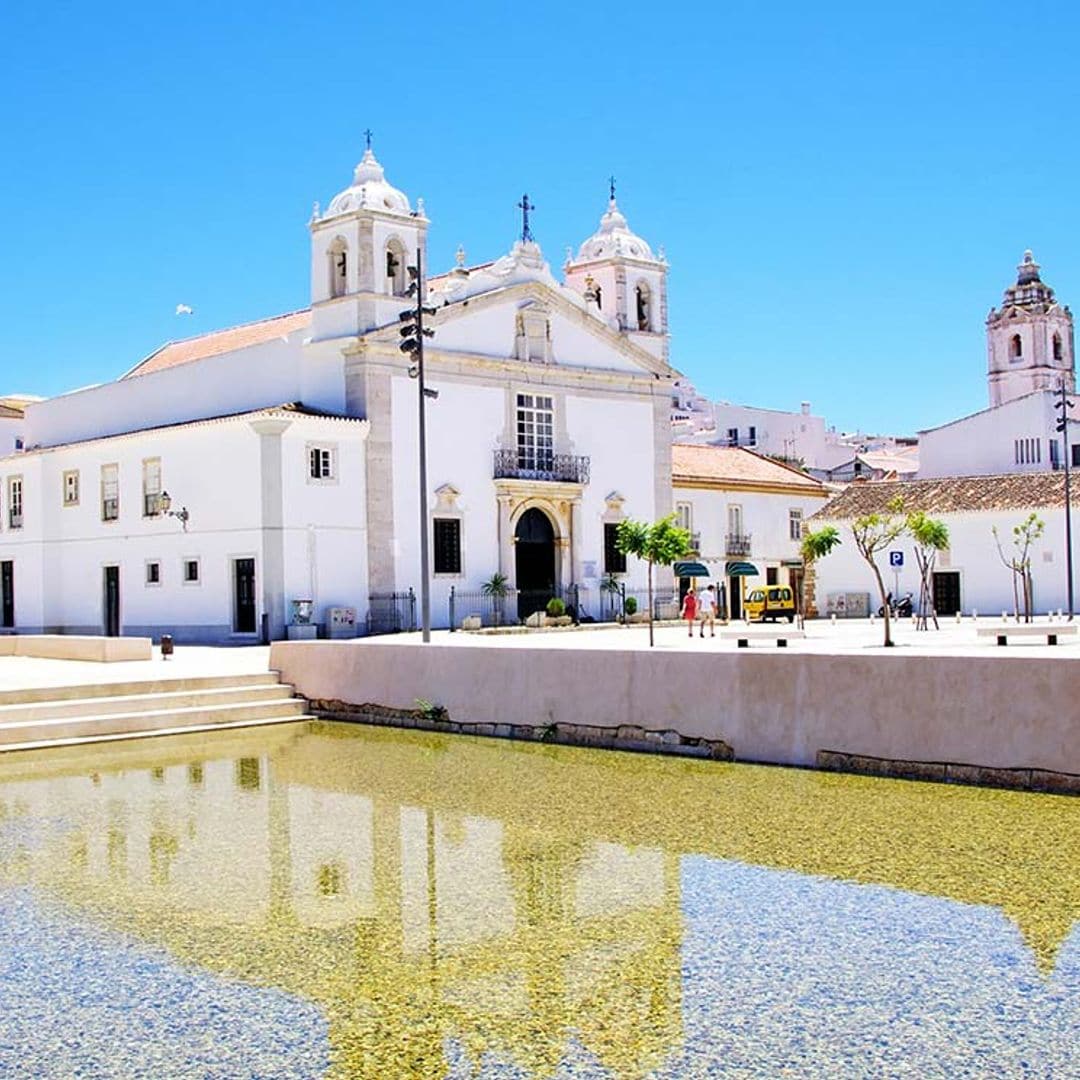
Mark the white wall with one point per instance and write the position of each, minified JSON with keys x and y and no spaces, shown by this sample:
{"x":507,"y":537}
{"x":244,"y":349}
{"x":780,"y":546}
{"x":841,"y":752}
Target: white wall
{"x":765,"y":516}
{"x":214,"y":470}
{"x":985,"y":584}
{"x":11,"y":431}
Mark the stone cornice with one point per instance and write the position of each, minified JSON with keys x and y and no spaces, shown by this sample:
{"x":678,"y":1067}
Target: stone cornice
{"x":753,"y":486}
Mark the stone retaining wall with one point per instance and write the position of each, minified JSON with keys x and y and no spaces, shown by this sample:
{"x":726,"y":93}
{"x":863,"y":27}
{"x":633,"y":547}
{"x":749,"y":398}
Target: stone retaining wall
{"x":1013,"y":720}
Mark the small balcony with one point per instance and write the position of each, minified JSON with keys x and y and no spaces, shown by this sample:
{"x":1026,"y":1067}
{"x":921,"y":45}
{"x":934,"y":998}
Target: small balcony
{"x":737,"y":544}
{"x":695,"y":543}
{"x":559,"y":468}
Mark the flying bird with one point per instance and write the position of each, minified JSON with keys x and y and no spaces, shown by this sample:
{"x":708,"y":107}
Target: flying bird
{"x":184,"y":309}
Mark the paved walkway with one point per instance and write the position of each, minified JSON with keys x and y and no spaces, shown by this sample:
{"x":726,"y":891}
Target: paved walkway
{"x":822,"y":636}
{"x":189,"y":661}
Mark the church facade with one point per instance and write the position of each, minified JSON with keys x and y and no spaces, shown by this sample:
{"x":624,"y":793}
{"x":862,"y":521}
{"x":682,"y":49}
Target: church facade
{"x":227,"y":475}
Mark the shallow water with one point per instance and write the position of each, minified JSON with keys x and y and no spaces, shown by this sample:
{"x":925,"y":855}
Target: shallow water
{"x":313,"y":900}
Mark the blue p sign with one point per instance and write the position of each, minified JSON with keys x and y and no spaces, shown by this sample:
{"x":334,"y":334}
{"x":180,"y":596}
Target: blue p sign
{"x":896,"y":559}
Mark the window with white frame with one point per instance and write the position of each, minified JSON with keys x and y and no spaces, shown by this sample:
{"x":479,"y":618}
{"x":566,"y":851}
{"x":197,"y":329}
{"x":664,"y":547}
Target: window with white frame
{"x":535,"y":432}
{"x":15,"y":502}
{"x":684,"y":516}
{"x":322,"y":463}
{"x":734,"y":520}
{"x":733,"y":436}
{"x":191,"y":572}
{"x":1027,"y":451}
{"x":71,"y":487}
{"x":110,"y":492}
{"x":151,"y":487}
{"x":153,"y":572}
{"x":795,"y":524}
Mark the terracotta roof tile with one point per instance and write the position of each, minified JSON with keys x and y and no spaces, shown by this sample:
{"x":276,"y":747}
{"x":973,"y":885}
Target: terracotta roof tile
{"x":735,"y":465}
{"x":950,"y":495}
{"x":222,"y":341}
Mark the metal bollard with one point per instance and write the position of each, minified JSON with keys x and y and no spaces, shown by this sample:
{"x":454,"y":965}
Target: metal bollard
{"x":166,"y":646}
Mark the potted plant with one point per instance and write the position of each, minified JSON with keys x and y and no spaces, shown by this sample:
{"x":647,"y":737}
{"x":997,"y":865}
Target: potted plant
{"x":556,"y":613}
{"x":630,"y":608}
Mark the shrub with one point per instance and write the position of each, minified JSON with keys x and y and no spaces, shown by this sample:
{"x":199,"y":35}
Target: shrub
{"x":631,"y":606}
{"x":555,"y":607}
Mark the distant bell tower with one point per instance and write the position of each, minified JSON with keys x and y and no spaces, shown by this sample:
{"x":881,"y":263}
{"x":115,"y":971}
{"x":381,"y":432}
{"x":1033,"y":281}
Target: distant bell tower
{"x":1029,"y":339}
{"x":623,"y":281}
{"x":361,"y":247}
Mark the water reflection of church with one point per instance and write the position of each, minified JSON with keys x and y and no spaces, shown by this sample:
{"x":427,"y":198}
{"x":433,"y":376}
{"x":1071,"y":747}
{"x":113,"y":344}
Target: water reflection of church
{"x":414,"y":921}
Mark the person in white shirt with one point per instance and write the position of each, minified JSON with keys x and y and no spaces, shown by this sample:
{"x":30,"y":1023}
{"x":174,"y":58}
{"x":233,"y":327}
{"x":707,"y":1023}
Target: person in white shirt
{"x":707,"y":610}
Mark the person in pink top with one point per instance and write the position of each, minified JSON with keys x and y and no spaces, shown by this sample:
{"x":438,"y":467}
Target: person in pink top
{"x":689,"y":610}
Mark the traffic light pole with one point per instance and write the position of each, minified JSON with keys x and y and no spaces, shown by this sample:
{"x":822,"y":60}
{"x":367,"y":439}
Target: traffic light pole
{"x":1064,"y":405}
{"x":425,"y":555}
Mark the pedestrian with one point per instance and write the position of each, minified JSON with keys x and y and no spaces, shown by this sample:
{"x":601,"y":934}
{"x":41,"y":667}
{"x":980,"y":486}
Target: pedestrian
{"x":689,"y":610}
{"x":707,"y":610}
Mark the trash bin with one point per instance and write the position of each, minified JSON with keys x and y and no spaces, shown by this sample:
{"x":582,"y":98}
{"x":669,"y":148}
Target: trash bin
{"x":166,"y":646}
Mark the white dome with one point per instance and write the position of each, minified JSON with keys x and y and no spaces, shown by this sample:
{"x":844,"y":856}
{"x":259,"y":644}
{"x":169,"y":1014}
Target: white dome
{"x":614,"y":238}
{"x":369,"y":191}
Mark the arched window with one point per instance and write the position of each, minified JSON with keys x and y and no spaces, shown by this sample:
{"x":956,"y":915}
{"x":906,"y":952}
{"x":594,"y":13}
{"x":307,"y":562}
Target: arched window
{"x":1058,"y":354}
{"x":395,"y":268}
{"x":339,"y":268}
{"x":1016,"y":348}
{"x":644,"y":306}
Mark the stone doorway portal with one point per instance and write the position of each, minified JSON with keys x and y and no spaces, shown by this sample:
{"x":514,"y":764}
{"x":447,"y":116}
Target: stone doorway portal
{"x":534,"y":561}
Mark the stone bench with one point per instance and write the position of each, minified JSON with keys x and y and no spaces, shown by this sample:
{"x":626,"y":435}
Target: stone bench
{"x":76,"y":647}
{"x":743,"y":635}
{"x":1050,"y":631}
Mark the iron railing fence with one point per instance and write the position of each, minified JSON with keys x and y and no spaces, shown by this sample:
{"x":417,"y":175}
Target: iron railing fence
{"x":391,"y":613}
{"x":738,"y":544}
{"x":563,"y":468}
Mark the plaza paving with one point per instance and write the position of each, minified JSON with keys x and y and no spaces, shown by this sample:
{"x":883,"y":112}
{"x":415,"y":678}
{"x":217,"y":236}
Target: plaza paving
{"x":822,"y":636}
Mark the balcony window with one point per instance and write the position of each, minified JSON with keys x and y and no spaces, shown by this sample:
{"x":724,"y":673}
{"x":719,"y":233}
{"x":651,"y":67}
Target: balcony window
{"x":151,"y":487}
{"x":15,"y":502}
{"x":795,"y":524}
{"x":110,"y":492}
{"x":535,"y":432}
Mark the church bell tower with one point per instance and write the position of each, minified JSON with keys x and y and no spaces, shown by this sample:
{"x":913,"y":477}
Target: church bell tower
{"x":617,"y":272}
{"x":360,"y":250}
{"x":1029,"y":339}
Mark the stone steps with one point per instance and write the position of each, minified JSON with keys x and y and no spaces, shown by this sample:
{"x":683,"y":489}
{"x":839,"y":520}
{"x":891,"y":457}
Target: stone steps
{"x":66,"y":716}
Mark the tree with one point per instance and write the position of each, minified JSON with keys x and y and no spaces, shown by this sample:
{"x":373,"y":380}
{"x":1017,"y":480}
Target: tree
{"x":611,"y":587}
{"x":814,"y":546}
{"x":874,"y":533}
{"x":659,"y":544}
{"x":1019,"y":560}
{"x":930,"y":536}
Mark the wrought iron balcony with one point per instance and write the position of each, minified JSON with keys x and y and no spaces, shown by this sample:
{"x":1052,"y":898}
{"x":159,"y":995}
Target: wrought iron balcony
{"x":560,"y":468}
{"x":738,"y":544}
{"x":695,"y":542}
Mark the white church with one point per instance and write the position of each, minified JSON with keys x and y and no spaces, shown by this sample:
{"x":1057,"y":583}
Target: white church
{"x":228,"y":475}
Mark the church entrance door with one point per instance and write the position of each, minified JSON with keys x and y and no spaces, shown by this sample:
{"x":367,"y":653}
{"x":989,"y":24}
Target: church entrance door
{"x":534,"y":557}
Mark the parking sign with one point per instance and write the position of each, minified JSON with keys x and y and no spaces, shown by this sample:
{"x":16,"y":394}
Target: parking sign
{"x":896,"y":559}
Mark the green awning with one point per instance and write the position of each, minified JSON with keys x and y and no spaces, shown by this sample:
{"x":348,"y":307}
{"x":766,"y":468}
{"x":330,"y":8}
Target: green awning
{"x":691,"y":569}
{"x":741,"y":569}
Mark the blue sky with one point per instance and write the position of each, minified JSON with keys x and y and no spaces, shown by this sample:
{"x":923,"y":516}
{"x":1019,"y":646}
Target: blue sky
{"x":843,"y":190}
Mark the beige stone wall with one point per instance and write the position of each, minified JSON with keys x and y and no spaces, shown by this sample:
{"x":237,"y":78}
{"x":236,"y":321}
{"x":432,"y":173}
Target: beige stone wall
{"x":1001,"y":713}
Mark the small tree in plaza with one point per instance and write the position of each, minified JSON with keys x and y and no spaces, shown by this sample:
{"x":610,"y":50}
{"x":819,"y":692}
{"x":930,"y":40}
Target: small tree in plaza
{"x":874,"y":533}
{"x":659,"y":544}
{"x":930,"y":536}
{"x":814,"y":546}
{"x":1019,"y":560}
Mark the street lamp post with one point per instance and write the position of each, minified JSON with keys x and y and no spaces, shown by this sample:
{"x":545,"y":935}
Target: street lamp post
{"x":1063,"y":406}
{"x":413,"y":333}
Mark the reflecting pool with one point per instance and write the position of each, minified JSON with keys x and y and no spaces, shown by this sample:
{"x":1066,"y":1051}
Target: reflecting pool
{"x":321,"y":900}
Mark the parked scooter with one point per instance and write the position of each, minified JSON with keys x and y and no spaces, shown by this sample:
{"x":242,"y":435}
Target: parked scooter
{"x":898,"y":609}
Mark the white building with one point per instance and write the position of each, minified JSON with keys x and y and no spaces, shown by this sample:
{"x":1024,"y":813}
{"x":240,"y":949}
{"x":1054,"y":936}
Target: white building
{"x":745,"y":514}
{"x":1029,"y":354}
{"x":12,"y":421}
{"x":292,"y":442}
{"x":970,"y":574}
